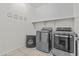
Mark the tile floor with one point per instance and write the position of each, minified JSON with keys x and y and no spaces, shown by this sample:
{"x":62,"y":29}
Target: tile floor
{"x":26,"y":52}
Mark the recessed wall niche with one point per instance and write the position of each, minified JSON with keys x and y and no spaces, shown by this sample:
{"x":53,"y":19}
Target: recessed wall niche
{"x":16,"y":16}
{"x":54,"y":23}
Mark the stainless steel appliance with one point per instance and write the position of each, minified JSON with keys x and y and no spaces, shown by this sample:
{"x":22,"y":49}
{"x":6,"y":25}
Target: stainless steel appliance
{"x":43,"y":40}
{"x":64,"y":43}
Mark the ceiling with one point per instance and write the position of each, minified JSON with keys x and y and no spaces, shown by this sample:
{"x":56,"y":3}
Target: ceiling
{"x":36,"y":5}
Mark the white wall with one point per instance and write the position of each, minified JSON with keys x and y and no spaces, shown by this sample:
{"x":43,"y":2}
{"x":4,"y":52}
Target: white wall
{"x":76,"y":15}
{"x":54,"y":11}
{"x":13,"y":31}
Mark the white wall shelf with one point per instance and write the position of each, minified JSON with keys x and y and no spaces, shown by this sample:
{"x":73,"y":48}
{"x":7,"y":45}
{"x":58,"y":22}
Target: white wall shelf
{"x":36,"y":21}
